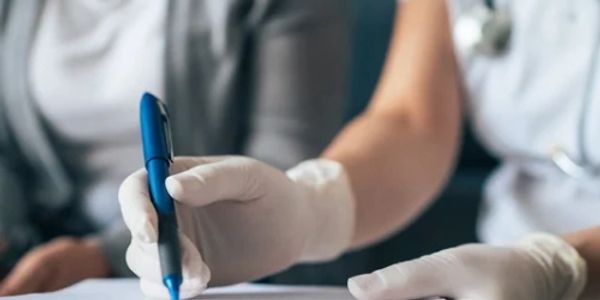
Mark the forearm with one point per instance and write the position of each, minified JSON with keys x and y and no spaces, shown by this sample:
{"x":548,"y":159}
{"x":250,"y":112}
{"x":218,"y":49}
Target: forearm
{"x":587,"y":243}
{"x":394,"y":170}
{"x":399,"y":153}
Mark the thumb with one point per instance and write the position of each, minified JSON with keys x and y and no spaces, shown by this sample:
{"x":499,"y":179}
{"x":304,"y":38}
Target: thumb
{"x":421,"y":278}
{"x":231,"y":178}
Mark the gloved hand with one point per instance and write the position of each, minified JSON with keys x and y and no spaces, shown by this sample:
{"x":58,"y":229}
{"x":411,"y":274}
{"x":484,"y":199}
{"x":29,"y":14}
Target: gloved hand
{"x":240,"y":218}
{"x":540,"y":267}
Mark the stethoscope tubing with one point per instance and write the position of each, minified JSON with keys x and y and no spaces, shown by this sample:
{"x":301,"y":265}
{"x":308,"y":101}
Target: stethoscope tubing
{"x":581,"y":168}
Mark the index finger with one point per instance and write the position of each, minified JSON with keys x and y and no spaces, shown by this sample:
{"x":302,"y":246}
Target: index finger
{"x":423,"y":278}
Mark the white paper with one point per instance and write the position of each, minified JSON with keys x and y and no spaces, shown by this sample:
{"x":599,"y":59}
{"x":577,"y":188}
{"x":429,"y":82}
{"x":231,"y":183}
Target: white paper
{"x":113,"y":289}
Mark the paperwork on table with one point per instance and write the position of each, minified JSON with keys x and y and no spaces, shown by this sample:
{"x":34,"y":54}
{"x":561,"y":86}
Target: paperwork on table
{"x":118,"y":289}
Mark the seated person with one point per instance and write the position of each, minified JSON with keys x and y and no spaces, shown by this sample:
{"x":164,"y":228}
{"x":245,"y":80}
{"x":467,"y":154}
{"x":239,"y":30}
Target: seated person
{"x":259,"y":78}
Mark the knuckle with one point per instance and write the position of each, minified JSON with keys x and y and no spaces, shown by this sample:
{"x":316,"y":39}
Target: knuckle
{"x":39,"y":256}
{"x":57,"y":246}
{"x":244,"y":161}
{"x":65,"y":241}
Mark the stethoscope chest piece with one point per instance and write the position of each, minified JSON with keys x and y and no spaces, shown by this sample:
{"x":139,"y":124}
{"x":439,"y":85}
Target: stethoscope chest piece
{"x":483,"y":30}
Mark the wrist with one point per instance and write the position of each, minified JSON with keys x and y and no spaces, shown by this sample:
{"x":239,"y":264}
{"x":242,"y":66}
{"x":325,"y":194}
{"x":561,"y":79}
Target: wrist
{"x":331,"y":208}
{"x":565,"y":269}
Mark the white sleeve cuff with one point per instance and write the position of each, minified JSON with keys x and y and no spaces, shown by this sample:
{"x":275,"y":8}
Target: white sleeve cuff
{"x":332,"y":205}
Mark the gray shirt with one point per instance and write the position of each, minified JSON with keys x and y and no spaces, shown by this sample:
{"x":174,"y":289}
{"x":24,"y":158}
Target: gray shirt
{"x":263,"y":78}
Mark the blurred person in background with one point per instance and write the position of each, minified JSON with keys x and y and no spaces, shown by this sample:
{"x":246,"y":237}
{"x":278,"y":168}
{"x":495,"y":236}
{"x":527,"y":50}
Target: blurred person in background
{"x":259,"y":78}
{"x":532,"y":92}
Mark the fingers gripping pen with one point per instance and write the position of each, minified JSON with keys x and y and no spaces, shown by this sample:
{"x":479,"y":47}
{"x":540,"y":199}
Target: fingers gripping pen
{"x":158,"y":155}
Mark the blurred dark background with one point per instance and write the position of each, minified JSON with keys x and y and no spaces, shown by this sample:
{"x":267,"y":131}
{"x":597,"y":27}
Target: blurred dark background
{"x":450,"y":221}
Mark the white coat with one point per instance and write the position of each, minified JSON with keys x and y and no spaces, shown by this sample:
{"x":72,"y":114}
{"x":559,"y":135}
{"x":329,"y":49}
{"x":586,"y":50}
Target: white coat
{"x":543,"y":92}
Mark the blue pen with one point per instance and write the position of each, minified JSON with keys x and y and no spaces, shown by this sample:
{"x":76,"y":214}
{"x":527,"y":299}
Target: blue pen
{"x":158,"y":156}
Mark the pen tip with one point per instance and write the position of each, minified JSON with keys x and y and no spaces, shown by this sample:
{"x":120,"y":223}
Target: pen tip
{"x":174,"y":294}
{"x":172,"y":283}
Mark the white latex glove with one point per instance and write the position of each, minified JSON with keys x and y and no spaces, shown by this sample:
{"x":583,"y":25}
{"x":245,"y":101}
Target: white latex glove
{"x":541,"y":267}
{"x":240,"y":218}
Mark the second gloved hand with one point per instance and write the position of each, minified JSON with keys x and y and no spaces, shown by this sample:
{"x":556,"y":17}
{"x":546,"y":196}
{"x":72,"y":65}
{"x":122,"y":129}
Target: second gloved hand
{"x":240,"y":219}
{"x":540,"y":267}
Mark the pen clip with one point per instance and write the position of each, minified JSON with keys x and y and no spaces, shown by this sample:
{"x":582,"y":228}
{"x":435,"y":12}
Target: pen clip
{"x":167,"y":129}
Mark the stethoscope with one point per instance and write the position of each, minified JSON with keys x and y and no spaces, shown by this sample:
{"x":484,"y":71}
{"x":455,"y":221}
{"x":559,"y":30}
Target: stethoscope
{"x":486,"y":29}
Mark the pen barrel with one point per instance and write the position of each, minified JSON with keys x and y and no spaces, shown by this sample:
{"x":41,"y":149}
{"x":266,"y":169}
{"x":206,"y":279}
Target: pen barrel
{"x":158,"y":171}
{"x":168,"y":245}
{"x":169,"y":249}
